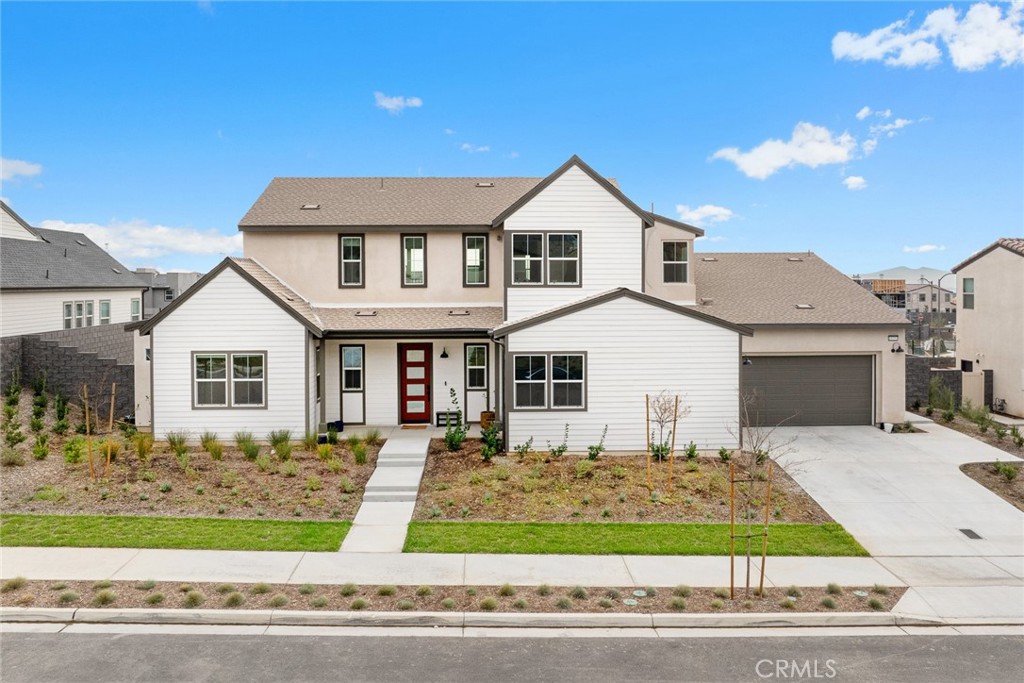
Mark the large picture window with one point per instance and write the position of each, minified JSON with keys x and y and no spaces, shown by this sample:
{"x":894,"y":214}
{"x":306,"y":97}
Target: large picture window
{"x":555,"y":381}
{"x":244,"y":387}
{"x":546,"y":258}
{"x":351,"y":266}
{"x":351,"y":368}
{"x":414,"y":260}
{"x":475,"y":250}
{"x":476,"y":367}
{"x":674,"y":261}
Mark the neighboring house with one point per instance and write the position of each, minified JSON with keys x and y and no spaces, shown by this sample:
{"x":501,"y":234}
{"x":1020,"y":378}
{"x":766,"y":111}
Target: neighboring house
{"x":929,"y":298}
{"x":163,"y":288}
{"x":990,"y":320}
{"x":550,"y":301}
{"x":892,"y":293}
{"x":54,"y":280}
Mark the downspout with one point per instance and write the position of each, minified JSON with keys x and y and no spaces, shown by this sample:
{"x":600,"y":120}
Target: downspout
{"x":499,"y":395}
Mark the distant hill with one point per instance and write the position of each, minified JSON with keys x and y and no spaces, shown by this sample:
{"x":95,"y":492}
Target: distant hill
{"x":911,"y":276}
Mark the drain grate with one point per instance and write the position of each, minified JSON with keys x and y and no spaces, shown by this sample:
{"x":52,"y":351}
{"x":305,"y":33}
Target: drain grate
{"x":970,"y":533}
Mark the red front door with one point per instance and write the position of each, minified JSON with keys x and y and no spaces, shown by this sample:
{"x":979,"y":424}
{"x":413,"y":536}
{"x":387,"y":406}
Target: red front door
{"x":414,"y":382}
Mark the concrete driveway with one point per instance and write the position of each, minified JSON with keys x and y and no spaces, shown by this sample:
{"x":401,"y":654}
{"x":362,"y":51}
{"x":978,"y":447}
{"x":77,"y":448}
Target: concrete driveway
{"x":904,"y":498}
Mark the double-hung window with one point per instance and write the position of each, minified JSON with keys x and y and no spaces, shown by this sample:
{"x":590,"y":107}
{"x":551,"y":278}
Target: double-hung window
{"x":351,"y":368}
{"x":969,"y":292}
{"x":476,"y":367}
{"x":351,"y":265}
{"x":414,"y":260}
{"x":475,"y":260}
{"x":90,"y":311}
{"x":551,"y":258}
{"x":105,"y":312}
{"x":674,"y":261}
{"x":168,"y":295}
{"x":241,"y":386}
{"x":556,"y":381}
{"x":79,"y":314}
{"x":136,"y":309}
{"x":69,"y":315}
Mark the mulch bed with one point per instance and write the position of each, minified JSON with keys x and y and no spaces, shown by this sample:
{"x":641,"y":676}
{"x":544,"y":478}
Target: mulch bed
{"x":233,"y":487}
{"x":613,"y":488}
{"x":462,"y":598}
{"x":1012,"y":491}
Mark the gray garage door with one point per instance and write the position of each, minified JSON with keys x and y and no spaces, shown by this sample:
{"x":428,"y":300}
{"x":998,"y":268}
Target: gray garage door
{"x":810,"y":390}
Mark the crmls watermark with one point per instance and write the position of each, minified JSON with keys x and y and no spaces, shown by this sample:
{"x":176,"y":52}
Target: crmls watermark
{"x":791,"y":669}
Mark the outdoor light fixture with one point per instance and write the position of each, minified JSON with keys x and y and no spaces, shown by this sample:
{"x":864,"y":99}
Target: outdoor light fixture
{"x":896,"y":348}
{"x":747,"y":361}
{"x":444,"y":352}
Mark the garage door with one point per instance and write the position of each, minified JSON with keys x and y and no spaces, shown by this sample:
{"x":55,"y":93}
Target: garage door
{"x":810,"y":390}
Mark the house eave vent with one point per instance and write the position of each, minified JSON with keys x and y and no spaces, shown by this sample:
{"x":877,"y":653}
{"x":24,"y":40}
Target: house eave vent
{"x":462,"y":312}
{"x":485,"y":184}
{"x":705,"y":302}
{"x":795,"y":259}
{"x":709,"y":259}
{"x":309,"y":207}
{"x":805,"y":307}
{"x":365,"y":314}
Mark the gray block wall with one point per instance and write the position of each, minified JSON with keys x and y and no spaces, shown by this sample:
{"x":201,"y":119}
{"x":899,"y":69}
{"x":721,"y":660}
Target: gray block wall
{"x":921,"y":369}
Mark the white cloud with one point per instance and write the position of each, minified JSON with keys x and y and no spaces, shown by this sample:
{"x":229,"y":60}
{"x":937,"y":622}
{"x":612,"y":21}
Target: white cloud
{"x":395,"y":105}
{"x":512,"y":155}
{"x":449,"y":131}
{"x":855,"y":182}
{"x":864,"y":112}
{"x":473,"y":149}
{"x":711,"y":238}
{"x":809,"y":145}
{"x":983,"y":36}
{"x":867,"y":111}
{"x":889,"y":129}
{"x":705,"y":213}
{"x":138,"y":240}
{"x":923,"y":249}
{"x":868,"y":146}
{"x":12,"y":168}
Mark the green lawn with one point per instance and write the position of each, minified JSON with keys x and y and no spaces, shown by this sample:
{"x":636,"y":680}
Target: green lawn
{"x":97,"y":531}
{"x":591,"y":538}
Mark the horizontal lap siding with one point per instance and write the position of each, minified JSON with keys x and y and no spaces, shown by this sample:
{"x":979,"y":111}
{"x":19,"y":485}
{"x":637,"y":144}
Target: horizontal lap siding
{"x":634,"y":349}
{"x":610,"y":247}
{"x":228,"y":314}
{"x":43,"y":311}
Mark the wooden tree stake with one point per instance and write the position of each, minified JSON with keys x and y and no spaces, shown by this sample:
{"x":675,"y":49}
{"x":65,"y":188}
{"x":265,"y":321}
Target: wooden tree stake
{"x":732,"y":531}
{"x":110,"y":429}
{"x":764,"y":542}
{"x":88,"y":440}
{"x":647,"y":431}
{"x":672,"y":452}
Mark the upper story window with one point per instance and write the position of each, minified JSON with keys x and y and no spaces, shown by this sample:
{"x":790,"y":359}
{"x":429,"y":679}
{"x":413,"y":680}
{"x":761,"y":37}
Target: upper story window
{"x":136,"y":309}
{"x":920,"y":297}
{"x":969,"y":292}
{"x":414,"y":260}
{"x":946,"y":296}
{"x":105,"y":312}
{"x":935,"y":296}
{"x":351,"y":261}
{"x":546,"y":258}
{"x":168,"y":295}
{"x":675,"y":261}
{"x":69,"y":316}
{"x":474,"y":260}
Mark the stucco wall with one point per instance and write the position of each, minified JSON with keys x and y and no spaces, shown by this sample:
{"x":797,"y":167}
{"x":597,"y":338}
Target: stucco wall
{"x":890,"y":371}
{"x":654,"y":277}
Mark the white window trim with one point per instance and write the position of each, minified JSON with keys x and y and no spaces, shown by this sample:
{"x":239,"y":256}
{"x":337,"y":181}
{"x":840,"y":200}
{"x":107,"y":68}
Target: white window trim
{"x":423,"y":265}
{"x":967,"y":294}
{"x":68,"y":309}
{"x":262,"y":381}
{"x":197,"y":381}
{"x":136,"y":309}
{"x":527,"y":259}
{"x":104,"y":319}
{"x":229,"y":380}
{"x":79,"y":314}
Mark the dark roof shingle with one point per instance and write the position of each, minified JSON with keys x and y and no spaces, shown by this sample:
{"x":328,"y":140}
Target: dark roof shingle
{"x":64,"y":260}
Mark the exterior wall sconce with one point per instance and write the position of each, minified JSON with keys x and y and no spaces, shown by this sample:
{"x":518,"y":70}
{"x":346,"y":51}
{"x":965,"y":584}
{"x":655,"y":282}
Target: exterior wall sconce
{"x":896,"y":348}
{"x":747,"y":361}
{"x":444,"y":352}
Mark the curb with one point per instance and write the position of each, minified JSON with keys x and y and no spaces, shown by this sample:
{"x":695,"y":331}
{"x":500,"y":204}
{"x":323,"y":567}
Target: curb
{"x":220,"y":617}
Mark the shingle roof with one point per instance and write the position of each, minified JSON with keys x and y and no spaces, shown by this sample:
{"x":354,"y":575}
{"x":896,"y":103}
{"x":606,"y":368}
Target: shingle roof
{"x":64,"y":260}
{"x":366,"y":202}
{"x":1013,"y":244}
{"x":285,"y":295}
{"x":765,"y":289}
{"x":445,"y":319}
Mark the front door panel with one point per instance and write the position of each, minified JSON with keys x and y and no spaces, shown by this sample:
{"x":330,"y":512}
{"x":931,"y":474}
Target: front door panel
{"x":414,"y":382}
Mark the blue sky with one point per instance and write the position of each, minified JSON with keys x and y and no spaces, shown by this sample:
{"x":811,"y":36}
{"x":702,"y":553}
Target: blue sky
{"x":898,"y":128}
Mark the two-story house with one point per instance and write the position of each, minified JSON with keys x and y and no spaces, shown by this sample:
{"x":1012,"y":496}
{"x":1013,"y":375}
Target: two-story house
{"x":549,"y":301}
{"x":990,"y":321}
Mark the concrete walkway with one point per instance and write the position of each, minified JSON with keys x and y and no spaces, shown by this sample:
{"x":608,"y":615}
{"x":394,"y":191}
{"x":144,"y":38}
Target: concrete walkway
{"x":383,"y":518}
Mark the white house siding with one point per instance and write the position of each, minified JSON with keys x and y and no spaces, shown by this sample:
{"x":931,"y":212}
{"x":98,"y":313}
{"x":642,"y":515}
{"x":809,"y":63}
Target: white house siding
{"x":610,"y":245}
{"x":228,"y":314}
{"x":634,"y":348}
{"x":143,"y":371}
{"x":380,"y":381}
{"x":12,"y":229}
{"x":41,"y":310}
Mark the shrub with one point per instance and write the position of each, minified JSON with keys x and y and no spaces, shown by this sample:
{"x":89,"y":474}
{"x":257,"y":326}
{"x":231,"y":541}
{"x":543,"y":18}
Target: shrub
{"x":318,"y":602}
{"x":178,"y":441}
{"x":717,"y":604}
{"x":14,"y":436}
{"x":145,"y":585}
{"x":193,"y":598}
{"x":488,"y":604}
{"x":876,"y":604}
{"x":563,"y":603}
{"x":68,"y":596}
{"x":678,"y":604}
{"x":353,"y":440}
{"x":584,"y":468}
{"x":559,"y":450}
{"x":724,"y":454}
{"x":722,"y":593}
{"x":216,"y":450}
{"x":278,"y":600}
{"x":578,"y":593}
{"x":60,"y":407}
{"x":359,"y":604}
{"x":424,"y":591}
{"x":13,"y":584}
{"x":491,"y":437}
{"x":307,"y":589}
{"x":1008,"y":471}
{"x":794,"y":592}
{"x":880,"y":589}
{"x":103,"y":583}
{"x":448,"y":603}
{"x":940,"y":396}
{"x":543,"y":589}
{"x":290,"y":469}
{"x":1017,"y":436}
{"x":948,"y":416}
{"x":594,"y":452}
{"x":359,"y":453}
{"x":206,"y":439}
{"x":928,"y":411}
{"x":834,"y":589}
{"x":346,"y":485}
{"x":613,"y":594}
{"x":226,"y":588}
{"x":999,"y":430}
{"x":313,"y":483}
{"x":310,"y":440}
{"x":335,"y":466}
{"x":828,"y":603}
{"x":372,"y":437}
{"x":165,"y":487}
{"x":61,"y":427}
{"x":279,"y":437}
{"x":332,"y":436}
{"x":325,"y":451}
{"x":111,"y":446}
{"x":41,"y":450}
{"x":243,"y":438}
{"x":264,"y":463}
{"x":506,"y":591}
{"x":283,"y":451}
{"x":154,"y":598}
{"x":619,"y":472}
{"x":386,"y":591}
{"x":104,"y":597}
{"x":523,"y":449}
{"x":787,"y":604}
{"x":521,"y":604}
{"x":348,"y":589}
{"x":11,"y":458}
{"x":682,"y":591}
{"x":234,"y":599}
{"x":691,"y":451}
{"x":35,"y":424}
